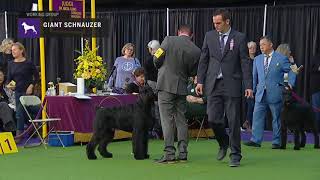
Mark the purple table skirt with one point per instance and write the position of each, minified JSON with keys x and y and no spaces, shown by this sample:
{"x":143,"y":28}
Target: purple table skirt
{"x":77,"y":115}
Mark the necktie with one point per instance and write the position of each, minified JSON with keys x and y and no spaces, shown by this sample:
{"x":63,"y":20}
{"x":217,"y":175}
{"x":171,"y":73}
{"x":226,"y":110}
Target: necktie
{"x":266,"y":64}
{"x":222,"y":36}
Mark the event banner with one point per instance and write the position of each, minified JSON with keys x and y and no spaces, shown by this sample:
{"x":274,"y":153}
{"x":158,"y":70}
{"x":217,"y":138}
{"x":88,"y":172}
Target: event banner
{"x":50,"y":24}
{"x":75,"y":7}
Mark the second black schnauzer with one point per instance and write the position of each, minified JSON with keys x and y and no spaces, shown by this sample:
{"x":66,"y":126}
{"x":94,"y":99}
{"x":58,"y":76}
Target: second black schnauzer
{"x":135,"y":118}
{"x":299,"y":118}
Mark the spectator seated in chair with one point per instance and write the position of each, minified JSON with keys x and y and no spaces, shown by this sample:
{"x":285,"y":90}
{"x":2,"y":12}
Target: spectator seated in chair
{"x":196,"y":105}
{"x":6,"y":106}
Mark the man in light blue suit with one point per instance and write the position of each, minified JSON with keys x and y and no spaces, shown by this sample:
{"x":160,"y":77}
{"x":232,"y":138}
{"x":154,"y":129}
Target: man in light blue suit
{"x":268,"y":70}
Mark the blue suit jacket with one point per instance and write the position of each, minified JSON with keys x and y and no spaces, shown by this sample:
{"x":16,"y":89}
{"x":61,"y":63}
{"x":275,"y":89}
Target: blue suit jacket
{"x":271,"y":83}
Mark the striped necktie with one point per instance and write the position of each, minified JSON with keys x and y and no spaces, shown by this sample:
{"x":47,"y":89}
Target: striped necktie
{"x":266,"y":63}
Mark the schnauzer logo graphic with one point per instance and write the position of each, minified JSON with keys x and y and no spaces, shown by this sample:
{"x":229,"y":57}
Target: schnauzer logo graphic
{"x":29,"y":27}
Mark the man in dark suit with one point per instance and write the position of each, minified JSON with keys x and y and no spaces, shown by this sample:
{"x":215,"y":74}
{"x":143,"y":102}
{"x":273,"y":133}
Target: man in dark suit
{"x":315,"y":85}
{"x":151,"y":71}
{"x":223,"y":65}
{"x":177,"y":60}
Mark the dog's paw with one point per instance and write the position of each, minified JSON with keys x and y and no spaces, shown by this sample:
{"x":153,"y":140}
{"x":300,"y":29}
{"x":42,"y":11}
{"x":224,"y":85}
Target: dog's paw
{"x":296,"y":148}
{"x":92,"y":157}
{"x":139,"y":157}
{"x":106,"y":155}
{"x":147,"y":156}
{"x":283,"y":147}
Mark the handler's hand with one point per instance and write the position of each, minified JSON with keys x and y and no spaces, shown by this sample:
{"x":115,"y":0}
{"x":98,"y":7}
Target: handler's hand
{"x":248,"y":93}
{"x":199,"y":89}
{"x":29,"y":90}
{"x":295,"y":69}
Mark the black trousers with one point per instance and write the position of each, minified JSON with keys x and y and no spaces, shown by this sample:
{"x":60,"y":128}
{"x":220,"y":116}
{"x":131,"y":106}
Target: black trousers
{"x":219,"y":106}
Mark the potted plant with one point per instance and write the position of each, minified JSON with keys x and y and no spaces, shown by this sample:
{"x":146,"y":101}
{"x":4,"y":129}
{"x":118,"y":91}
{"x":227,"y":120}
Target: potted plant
{"x":91,"y":68}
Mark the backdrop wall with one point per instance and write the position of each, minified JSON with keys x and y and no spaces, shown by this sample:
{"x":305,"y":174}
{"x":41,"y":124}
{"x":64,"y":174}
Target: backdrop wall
{"x":297,"y":25}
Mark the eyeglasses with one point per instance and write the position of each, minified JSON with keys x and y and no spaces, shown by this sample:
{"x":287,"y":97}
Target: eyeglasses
{"x":129,"y":49}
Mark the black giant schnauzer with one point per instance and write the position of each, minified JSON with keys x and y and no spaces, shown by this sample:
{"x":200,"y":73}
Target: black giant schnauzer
{"x":297,"y":117}
{"x":135,"y":118}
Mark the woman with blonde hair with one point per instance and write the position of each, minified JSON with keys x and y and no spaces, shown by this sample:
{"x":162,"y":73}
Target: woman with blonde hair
{"x":285,"y":50}
{"x":22,"y":76}
{"x":5,"y":53}
{"x":123,"y":67}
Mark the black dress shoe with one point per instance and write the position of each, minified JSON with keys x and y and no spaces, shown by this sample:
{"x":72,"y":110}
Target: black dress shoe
{"x":251,"y":143}
{"x":164,"y":160}
{"x":276,"y":146}
{"x":222,"y":153}
{"x":234,"y":163}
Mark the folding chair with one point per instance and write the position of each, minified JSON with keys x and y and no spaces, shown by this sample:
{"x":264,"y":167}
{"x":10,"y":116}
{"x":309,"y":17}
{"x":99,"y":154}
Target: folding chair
{"x":29,"y":101}
{"x":200,"y":121}
{"x":201,"y":127}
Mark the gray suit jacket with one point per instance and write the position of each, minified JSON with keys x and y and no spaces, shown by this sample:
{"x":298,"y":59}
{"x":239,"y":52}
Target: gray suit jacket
{"x":234,"y":63}
{"x":178,"y":63}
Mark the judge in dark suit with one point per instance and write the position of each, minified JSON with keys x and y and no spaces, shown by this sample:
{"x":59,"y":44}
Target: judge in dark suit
{"x":223,"y":65}
{"x":177,"y":60}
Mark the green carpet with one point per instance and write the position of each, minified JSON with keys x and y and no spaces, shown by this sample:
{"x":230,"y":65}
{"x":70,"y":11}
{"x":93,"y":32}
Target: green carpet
{"x":71,"y":163}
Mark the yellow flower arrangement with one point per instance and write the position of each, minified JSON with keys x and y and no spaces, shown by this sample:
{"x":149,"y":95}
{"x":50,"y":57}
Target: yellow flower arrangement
{"x":90,"y":67}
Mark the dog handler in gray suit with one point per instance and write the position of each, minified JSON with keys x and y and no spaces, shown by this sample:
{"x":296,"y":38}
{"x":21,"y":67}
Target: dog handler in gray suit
{"x":223,"y":65}
{"x":177,"y":60}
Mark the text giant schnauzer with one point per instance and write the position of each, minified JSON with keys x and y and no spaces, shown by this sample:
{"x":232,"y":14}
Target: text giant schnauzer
{"x":297,"y":117}
{"x":135,"y":118}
